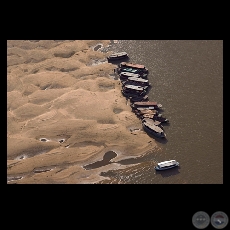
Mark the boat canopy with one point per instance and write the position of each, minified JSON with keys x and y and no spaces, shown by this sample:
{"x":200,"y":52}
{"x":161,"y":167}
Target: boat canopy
{"x":166,"y":163}
{"x":138,"y":79}
{"x":128,"y":74}
{"x":135,"y":87}
{"x":147,"y":103}
{"x":145,"y":108}
{"x":130,"y":70}
{"x":132,"y":65}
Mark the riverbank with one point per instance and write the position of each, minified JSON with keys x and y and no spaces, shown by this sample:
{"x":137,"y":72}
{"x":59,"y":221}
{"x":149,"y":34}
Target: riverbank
{"x":64,"y":111}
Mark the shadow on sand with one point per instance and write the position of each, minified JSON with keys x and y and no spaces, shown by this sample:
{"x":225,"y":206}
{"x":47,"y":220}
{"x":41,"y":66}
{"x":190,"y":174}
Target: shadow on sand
{"x":106,"y":160}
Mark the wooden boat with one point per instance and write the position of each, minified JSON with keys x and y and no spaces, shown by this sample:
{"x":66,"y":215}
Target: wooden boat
{"x":117,"y":56}
{"x":145,"y":111}
{"x":134,"y":87}
{"x":147,"y":114}
{"x":142,"y":73}
{"x":142,"y":98}
{"x":144,"y":108}
{"x":133,"y":93}
{"x":126,"y":75}
{"x":147,"y":104}
{"x":155,"y":117}
{"x":133,"y":65}
{"x":136,"y":81}
{"x":152,"y":122}
{"x":166,"y":165}
{"x":153,"y":129}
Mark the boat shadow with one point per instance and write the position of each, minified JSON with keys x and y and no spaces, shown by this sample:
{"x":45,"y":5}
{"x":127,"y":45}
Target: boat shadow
{"x":106,"y":160}
{"x":165,"y":123}
{"x":169,"y":172}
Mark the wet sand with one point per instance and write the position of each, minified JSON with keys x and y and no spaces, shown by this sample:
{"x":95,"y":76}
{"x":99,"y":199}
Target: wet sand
{"x":64,"y":111}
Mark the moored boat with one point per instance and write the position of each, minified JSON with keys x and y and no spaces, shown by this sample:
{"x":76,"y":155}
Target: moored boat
{"x":152,"y":122}
{"x":134,"y":87}
{"x":166,"y":165}
{"x":142,"y":73}
{"x":144,"y":108}
{"x":126,"y":75}
{"x":145,"y":111}
{"x":153,"y":129}
{"x":133,"y":65}
{"x":147,"y":104}
{"x":117,"y":56}
{"x":155,"y":117}
{"x":136,"y":81}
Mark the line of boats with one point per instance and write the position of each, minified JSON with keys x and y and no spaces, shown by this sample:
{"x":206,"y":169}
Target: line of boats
{"x":135,"y":87}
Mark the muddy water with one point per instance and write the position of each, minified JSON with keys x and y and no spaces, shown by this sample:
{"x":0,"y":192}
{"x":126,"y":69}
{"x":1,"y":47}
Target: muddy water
{"x":187,"y":79}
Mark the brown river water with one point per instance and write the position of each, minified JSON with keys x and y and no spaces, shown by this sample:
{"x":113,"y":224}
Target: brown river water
{"x":187,"y":79}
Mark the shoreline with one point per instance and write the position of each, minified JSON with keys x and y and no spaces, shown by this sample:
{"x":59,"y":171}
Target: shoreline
{"x":62,"y":91}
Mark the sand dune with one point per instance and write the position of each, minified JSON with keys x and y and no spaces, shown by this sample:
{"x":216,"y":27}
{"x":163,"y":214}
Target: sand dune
{"x":63,"y":112}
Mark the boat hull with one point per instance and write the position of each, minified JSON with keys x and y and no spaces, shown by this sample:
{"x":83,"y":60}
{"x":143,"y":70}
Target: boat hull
{"x":165,"y":168}
{"x":159,"y":135}
{"x":117,"y":56}
{"x":143,"y":74}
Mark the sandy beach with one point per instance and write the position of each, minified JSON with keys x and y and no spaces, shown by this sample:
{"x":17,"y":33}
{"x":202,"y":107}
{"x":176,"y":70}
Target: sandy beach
{"x":64,"y":111}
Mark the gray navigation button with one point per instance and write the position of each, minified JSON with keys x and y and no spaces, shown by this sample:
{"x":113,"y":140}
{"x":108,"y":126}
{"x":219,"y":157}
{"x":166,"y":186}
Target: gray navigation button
{"x":201,"y":220}
{"x":219,"y":220}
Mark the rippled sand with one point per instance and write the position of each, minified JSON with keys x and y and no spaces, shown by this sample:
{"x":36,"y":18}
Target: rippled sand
{"x":65,"y":111}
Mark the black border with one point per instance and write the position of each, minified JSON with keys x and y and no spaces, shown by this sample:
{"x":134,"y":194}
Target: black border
{"x":169,"y":206}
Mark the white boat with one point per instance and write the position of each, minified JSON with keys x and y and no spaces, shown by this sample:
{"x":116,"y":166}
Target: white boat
{"x":116,"y":56}
{"x":166,"y":165}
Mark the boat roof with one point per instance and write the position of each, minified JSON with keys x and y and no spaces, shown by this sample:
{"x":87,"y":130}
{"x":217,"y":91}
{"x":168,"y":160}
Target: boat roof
{"x":154,"y":127}
{"x":136,"y":87}
{"x":151,"y":121}
{"x":149,"y":103}
{"x":137,"y":79}
{"x":147,"y":111}
{"x":167,"y":163}
{"x":130,"y":74}
{"x":118,"y":54}
{"x":145,"y":108}
{"x":130,"y":64}
{"x":130,"y":70}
